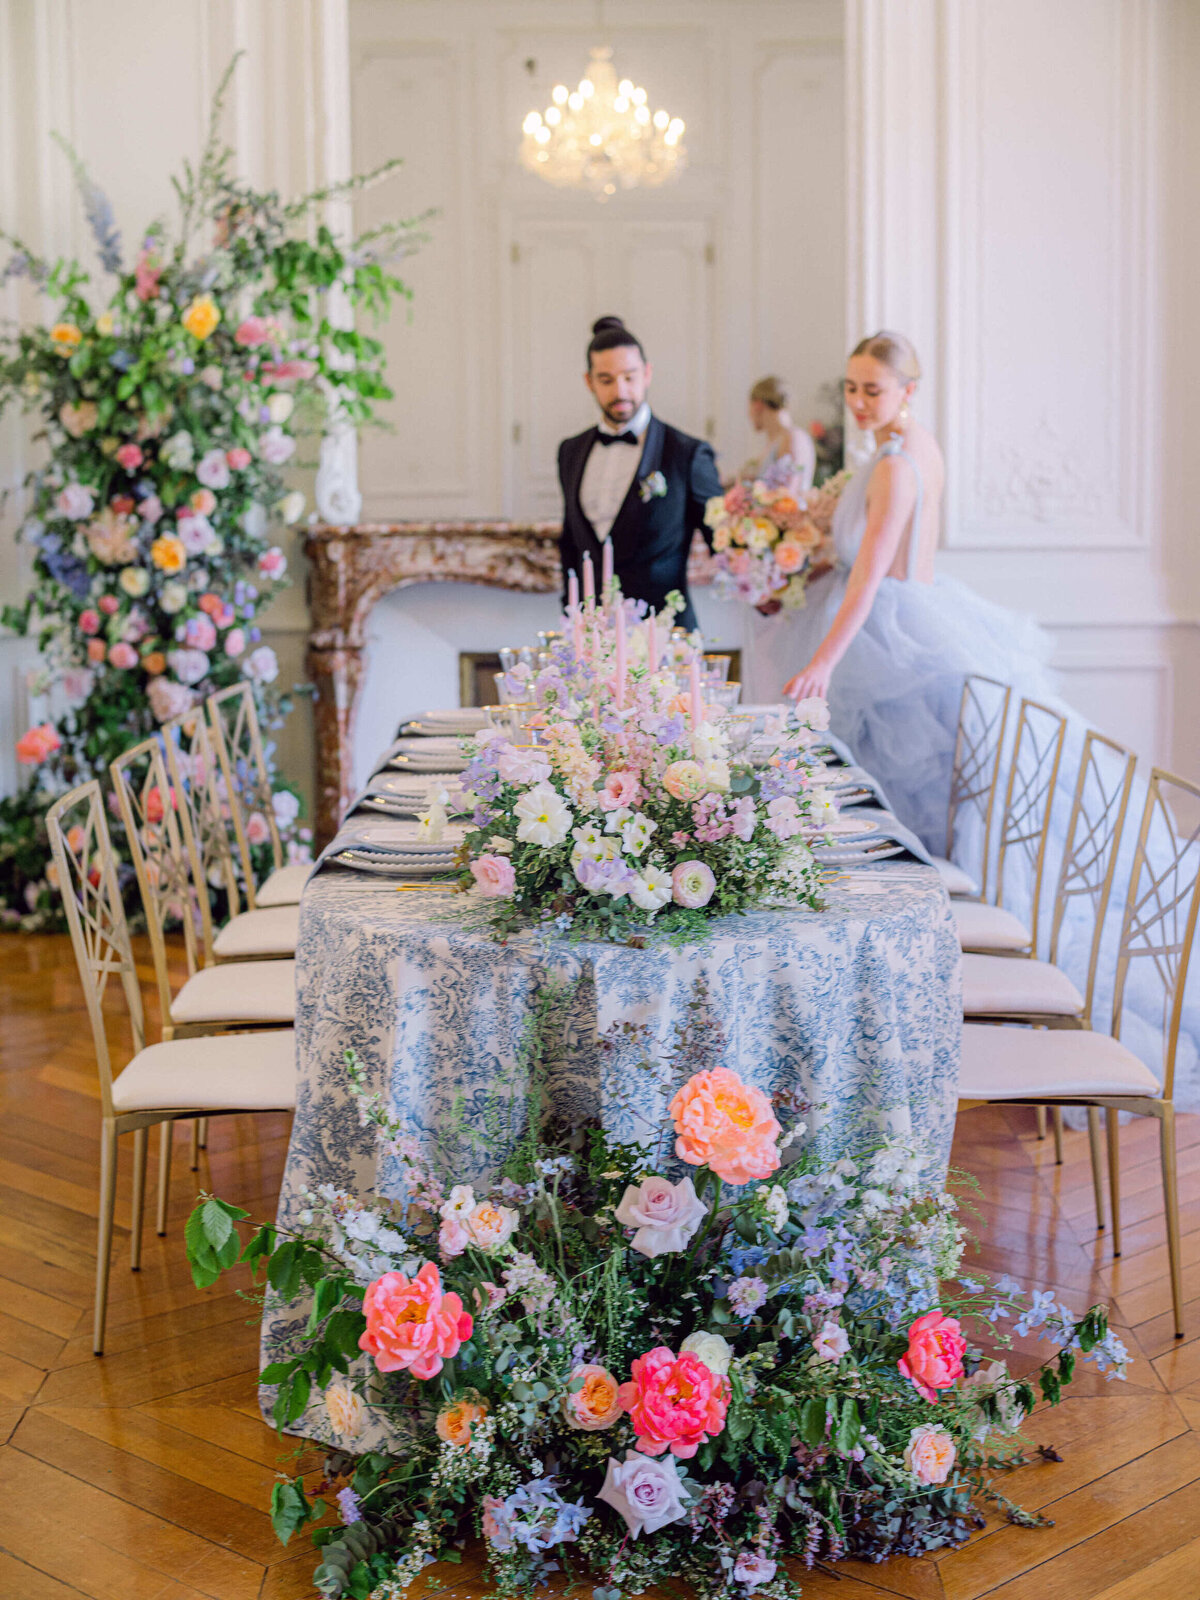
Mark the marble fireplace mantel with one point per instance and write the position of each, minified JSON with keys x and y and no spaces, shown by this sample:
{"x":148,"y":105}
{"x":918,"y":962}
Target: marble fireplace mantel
{"x":350,"y":568}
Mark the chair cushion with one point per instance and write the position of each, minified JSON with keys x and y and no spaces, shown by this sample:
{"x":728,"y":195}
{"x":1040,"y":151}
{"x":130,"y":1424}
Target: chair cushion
{"x":1001,"y":1063}
{"x":1002,"y":986}
{"x":260,"y":933}
{"x":220,"y":1072}
{"x":283,"y":886}
{"x":956,"y":880}
{"x":983,"y":927}
{"x":239,"y":991}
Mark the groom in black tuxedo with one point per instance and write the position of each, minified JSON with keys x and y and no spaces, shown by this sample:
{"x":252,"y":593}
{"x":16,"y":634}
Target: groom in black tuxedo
{"x":633,"y":479}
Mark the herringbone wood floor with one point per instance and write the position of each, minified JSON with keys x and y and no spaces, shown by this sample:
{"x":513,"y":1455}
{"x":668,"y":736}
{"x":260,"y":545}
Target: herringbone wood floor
{"x":143,"y":1476}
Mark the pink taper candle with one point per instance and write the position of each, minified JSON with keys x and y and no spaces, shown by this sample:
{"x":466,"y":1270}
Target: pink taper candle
{"x":589,"y":583}
{"x":606,"y":571}
{"x":697,"y":701}
{"x":577,"y":632}
{"x":652,"y":643}
{"x":572,"y":593}
{"x":620,"y":621}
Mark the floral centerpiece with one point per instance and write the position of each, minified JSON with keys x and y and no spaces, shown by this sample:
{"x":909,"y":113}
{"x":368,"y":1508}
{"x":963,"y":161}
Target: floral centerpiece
{"x":622,"y":808}
{"x":604,"y":1360}
{"x":169,"y":400}
{"x":765,"y":545}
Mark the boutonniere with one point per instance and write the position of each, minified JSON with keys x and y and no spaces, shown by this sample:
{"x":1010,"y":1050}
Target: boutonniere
{"x":652,"y":487}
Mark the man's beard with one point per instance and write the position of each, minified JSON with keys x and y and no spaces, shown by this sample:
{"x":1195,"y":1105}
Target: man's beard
{"x":610,"y":410}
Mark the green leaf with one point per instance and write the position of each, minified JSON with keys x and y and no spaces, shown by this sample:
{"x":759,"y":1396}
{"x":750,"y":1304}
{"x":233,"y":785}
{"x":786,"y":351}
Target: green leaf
{"x":277,"y":1371}
{"x":845,"y":1435}
{"x":812,"y":1422}
{"x":1066,"y":1365}
{"x":344,"y":1329}
{"x":216,"y":1223}
{"x":283,"y":1270}
{"x":261,"y":1244}
{"x":289,"y":1509}
{"x":1051,"y":1386}
{"x":328,"y":1293}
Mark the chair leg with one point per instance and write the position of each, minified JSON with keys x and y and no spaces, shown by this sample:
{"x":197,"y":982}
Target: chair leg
{"x":1056,"y":1119}
{"x":1097,"y":1165}
{"x":1171,"y":1207}
{"x":202,"y":1130}
{"x":108,"y":1191}
{"x":166,"y":1138}
{"x":195,"y":1157}
{"x":141,"y":1140}
{"x":1041,"y":1122}
{"x":1113,"y":1129}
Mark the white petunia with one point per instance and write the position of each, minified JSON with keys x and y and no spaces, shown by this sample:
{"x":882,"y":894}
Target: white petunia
{"x":545,"y":817}
{"x":651,"y":889}
{"x":635,"y":834}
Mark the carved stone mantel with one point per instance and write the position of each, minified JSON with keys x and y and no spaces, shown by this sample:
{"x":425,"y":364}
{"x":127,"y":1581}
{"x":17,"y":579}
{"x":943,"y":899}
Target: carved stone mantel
{"x":351,"y":568}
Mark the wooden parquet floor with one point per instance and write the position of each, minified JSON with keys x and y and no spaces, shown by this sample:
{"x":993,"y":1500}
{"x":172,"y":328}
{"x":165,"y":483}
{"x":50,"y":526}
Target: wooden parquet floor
{"x":143,"y":1475}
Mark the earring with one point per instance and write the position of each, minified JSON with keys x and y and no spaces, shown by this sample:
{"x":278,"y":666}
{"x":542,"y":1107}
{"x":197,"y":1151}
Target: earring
{"x":903,"y":414}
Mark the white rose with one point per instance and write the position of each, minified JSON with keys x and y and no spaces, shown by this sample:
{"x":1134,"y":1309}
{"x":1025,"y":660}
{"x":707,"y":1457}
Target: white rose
{"x":261,"y":665}
{"x":172,"y":597}
{"x":280,"y":407}
{"x":647,"y":1493}
{"x":285,"y":806}
{"x":715,"y":1352}
{"x":461,"y":1201}
{"x":291,"y":508}
{"x":812,"y":713}
{"x":665,"y":1214}
{"x":545,"y":817}
{"x":716,"y":776}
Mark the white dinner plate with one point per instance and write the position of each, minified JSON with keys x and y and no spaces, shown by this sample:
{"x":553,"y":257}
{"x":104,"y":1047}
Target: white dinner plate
{"x":846,"y":856}
{"x":843,"y":828}
{"x":435,"y":762}
{"x":392,"y":866}
{"x":401,"y":837}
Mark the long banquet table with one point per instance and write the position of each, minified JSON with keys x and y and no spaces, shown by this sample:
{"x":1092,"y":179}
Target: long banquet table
{"x":856,"y":1009}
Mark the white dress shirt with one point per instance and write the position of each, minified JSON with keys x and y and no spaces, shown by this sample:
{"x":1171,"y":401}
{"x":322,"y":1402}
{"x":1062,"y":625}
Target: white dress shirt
{"x":609,"y":471}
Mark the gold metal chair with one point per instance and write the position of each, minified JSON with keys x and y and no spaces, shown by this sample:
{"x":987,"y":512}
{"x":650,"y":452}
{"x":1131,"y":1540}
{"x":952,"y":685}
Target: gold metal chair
{"x":1079,"y":1067}
{"x":162,"y":1083}
{"x":1024,"y":831}
{"x":237,"y":738}
{"x":978,"y":747}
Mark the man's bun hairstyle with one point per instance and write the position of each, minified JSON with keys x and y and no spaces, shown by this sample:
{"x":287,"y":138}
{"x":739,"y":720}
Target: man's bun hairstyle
{"x":610,"y":333}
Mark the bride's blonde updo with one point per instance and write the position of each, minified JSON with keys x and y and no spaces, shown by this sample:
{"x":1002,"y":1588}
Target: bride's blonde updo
{"x":894,"y":350}
{"x":771,"y":392}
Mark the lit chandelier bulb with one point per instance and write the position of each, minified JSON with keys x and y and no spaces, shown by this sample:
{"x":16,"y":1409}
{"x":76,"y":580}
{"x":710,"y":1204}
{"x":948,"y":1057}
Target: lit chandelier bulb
{"x":532,"y":122}
{"x":553,"y":116}
{"x":661,"y":119}
{"x":560,"y":93}
{"x":587,"y":88}
{"x":575,"y":101}
{"x":642,"y":115}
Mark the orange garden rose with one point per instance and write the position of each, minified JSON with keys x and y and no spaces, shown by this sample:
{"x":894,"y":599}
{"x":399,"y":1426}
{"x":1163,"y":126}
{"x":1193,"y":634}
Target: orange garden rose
{"x":65,"y":337}
{"x":597,"y":1403}
{"x":789,"y":557}
{"x":168,"y":553}
{"x":930,"y":1453}
{"x":456,"y":1421}
{"x":154,"y":663}
{"x":724,"y":1124}
{"x":345,"y":1409}
{"x":201,"y":317}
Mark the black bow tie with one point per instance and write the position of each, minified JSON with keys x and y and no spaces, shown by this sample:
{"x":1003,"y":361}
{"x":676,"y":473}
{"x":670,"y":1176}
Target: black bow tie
{"x":616,"y":438}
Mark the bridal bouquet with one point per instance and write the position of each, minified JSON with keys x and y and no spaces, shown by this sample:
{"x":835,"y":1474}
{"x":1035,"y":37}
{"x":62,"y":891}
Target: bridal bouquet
{"x":605,"y":1362}
{"x":764,"y":543}
{"x":624,"y":810}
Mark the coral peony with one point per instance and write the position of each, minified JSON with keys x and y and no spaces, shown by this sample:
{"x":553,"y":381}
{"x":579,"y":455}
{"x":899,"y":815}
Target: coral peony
{"x":593,"y":1401}
{"x":123,"y":656}
{"x":38,"y":745}
{"x":413,"y":1325}
{"x":933,"y":1359}
{"x":725,"y":1124}
{"x":675,"y":1403}
{"x":930,"y":1453}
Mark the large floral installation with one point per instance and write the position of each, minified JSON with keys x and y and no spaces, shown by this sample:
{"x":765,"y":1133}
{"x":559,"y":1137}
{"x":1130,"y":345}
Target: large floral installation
{"x":621,"y":808}
{"x":604,"y":1359}
{"x":169,"y":396}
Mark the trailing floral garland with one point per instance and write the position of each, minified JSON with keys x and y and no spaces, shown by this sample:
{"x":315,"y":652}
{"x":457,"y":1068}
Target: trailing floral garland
{"x":605,"y":1361}
{"x":624,"y":811}
{"x":169,"y":405}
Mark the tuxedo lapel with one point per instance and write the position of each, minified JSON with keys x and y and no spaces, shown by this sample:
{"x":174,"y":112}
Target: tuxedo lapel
{"x":575,"y":478}
{"x":626,"y":518}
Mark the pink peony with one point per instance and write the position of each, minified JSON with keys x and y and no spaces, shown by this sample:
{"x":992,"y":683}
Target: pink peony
{"x":122,"y":655}
{"x":621,"y":790}
{"x":213,"y":469}
{"x":413,"y":1325}
{"x":674,"y":1402}
{"x":238,"y":458}
{"x":109,"y":604}
{"x":933,"y":1359}
{"x":199,"y":633}
{"x":167,"y":698}
{"x":130,"y":457}
{"x":692,"y":884}
{"x":494,"y":877}
{"x":196,"y":531}
{"x":272,"y":563}
{"x":276,"y":447}
{"x":235,"y":642}
{"x":38,"y":745}
{"x":151,"y":509}
{"x":723,"y":1123}
{"x":89,"y":621}
{"x":253,"y":331}
{"x":257,"y":829}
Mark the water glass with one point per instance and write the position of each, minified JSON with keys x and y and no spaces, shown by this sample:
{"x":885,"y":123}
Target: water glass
{"x":716,"y":668}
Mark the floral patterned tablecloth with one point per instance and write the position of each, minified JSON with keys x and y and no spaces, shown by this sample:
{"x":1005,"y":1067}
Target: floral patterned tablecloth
{"x":857,"y":1008}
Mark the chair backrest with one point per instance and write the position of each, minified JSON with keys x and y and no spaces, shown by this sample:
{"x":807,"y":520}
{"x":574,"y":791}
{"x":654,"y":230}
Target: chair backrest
{"x":149,"y":809}
{"x":86,"y":870}
{"x":1028,"y":798}
{"x":1161,"y":910}
{"x":204,"y":807}
{"x":239,"y":746}
{"x":978,"y":745}
{"x":1093,"y":841}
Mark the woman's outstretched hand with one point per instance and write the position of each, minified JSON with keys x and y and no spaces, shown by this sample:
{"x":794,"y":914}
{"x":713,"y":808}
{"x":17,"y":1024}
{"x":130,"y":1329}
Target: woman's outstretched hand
{"x":811,"y":683}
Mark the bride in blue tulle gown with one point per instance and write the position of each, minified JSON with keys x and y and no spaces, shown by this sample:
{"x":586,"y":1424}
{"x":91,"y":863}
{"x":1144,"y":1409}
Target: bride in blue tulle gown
{"x":888,"y":643}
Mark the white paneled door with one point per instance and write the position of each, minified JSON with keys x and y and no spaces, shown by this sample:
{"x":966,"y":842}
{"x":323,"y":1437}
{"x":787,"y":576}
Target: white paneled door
{"x":562,"y":276}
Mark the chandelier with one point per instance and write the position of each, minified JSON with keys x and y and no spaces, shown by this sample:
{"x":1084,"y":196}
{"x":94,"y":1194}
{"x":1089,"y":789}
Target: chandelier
{"x":602,"y":136}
